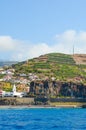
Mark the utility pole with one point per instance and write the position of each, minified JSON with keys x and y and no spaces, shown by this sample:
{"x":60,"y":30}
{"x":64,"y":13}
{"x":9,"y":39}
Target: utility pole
{"x":73,"y":50}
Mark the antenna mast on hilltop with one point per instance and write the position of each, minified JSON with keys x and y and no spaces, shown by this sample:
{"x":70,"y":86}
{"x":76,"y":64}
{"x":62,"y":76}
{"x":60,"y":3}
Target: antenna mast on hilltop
{"x":73,"y":50}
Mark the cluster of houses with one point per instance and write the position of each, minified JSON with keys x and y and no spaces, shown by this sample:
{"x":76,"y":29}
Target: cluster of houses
{"x":8,"y":75}
{"x":22,"y":81}
{"x":14,"y":93}
{"x":28,"y":83}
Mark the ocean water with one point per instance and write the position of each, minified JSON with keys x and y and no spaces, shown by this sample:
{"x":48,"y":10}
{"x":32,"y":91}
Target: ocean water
{"x":43,"y":119}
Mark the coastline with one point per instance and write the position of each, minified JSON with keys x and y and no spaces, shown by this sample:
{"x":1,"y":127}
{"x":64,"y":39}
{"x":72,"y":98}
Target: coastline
{"x":37,"y":106}
{"x":38,"y":103}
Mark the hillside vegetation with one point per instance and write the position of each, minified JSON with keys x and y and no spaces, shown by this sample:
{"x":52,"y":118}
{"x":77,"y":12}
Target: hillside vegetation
{"x":63,"y":67}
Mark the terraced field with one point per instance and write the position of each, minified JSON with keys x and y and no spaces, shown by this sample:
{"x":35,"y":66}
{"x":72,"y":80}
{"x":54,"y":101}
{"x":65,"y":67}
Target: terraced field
{"x":61,"y":58}
{"x":61,"y":66}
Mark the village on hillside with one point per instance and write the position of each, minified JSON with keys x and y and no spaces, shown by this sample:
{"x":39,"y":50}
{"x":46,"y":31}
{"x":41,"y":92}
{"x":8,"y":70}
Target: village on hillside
{"x":30,"y":85}
{"x":51,"y":75}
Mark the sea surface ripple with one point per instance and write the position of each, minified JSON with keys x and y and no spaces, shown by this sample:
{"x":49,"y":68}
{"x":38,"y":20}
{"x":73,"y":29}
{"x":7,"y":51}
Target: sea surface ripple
{"x":43,"y":119}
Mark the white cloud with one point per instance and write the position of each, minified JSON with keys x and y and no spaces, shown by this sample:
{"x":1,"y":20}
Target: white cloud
{"x":6,"y":43}
{"x":71,"y":38}
{"x":27,"y":51}
{"x":21,"y":50}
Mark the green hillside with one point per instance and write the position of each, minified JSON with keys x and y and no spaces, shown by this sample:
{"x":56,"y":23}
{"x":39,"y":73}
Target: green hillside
{"x":61,"y":66}
{"x":60,"y":58}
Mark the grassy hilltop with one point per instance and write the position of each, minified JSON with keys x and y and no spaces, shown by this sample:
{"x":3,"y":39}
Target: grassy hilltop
{"x":62,"y":66}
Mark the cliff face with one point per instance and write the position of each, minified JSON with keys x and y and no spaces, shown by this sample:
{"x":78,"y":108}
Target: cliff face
{"x":58,"y":89}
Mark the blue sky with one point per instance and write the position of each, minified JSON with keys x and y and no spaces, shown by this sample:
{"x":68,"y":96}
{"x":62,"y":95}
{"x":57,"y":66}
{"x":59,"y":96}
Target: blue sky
{"x":29,"y":28}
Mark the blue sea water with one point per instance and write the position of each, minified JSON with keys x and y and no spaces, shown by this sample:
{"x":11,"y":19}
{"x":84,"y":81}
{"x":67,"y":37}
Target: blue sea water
{"x":43,"y":119}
